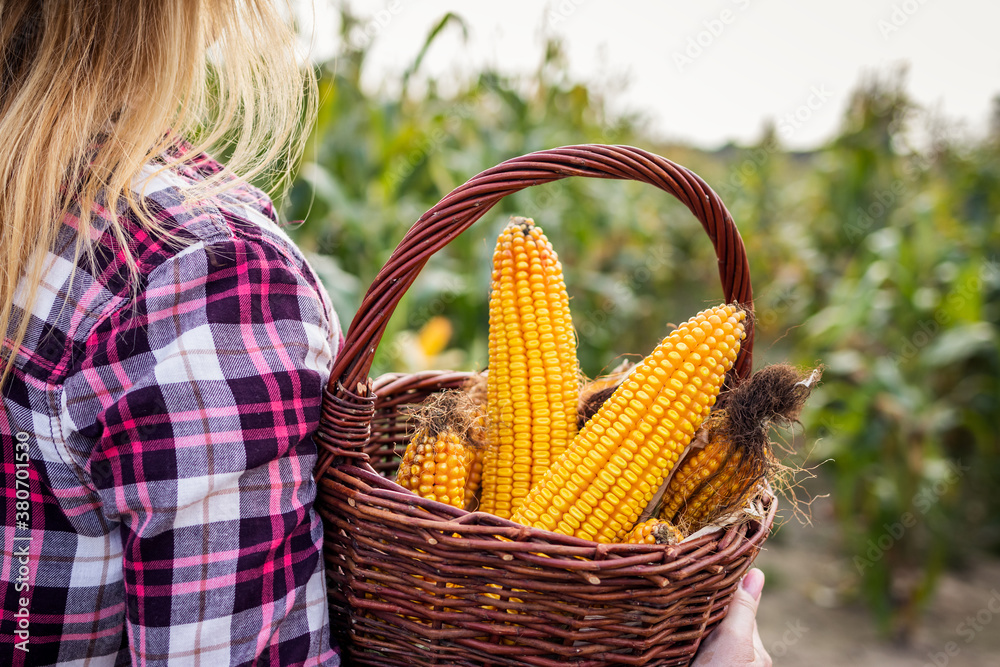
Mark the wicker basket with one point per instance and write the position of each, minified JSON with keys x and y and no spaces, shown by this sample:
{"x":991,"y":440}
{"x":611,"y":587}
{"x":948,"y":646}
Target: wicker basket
{"x":416,"y":582}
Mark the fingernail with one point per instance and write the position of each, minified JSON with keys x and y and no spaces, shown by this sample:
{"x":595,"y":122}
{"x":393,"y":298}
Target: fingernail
{"x":753,"y":583}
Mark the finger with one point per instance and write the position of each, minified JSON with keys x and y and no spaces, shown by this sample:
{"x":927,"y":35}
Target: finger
{"x":736,"y":641}
{"x":743,"y":609}
{"x":753,"y":583}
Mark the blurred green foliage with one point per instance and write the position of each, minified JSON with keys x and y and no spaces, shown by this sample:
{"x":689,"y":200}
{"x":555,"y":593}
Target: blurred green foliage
{"x":869,"y":256}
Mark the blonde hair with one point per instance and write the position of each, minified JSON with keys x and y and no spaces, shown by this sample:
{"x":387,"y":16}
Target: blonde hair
{"x":91,"y":91}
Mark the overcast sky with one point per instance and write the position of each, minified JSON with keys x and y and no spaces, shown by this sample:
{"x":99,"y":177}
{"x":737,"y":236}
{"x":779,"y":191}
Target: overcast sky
{"x":710,"y":71}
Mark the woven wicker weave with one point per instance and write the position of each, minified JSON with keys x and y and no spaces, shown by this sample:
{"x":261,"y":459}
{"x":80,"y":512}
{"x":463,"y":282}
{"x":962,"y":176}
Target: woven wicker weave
{"x":415,"y":582}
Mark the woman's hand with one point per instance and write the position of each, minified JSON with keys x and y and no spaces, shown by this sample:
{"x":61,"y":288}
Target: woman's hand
{"x":735,"y":641}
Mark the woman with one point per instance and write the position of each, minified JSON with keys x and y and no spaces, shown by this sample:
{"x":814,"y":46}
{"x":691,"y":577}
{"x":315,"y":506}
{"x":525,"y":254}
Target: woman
{"x":166,"y":343}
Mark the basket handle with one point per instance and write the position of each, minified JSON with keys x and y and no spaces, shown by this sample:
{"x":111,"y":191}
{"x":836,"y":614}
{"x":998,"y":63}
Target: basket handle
{"x":469,"y":202}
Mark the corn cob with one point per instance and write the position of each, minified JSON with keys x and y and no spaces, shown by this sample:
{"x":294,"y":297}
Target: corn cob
{"x":609,"y":473}
{"x":533,"y":380}
{"x":704,"y":505}
{"x":437,"y":467}
{"x":704,"y":472}
{"x":734,"y":456}
{"x":654,"y":531}
{"x":705,"y":491}
{"x":717,"y":478}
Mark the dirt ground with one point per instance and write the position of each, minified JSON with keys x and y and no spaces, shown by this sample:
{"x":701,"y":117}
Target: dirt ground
{"x":803,"y":619}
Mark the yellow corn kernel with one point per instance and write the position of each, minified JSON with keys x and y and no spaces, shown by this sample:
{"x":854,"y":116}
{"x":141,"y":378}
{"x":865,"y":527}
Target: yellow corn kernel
{"x":533,"y":381}
{"x":611,"y":501}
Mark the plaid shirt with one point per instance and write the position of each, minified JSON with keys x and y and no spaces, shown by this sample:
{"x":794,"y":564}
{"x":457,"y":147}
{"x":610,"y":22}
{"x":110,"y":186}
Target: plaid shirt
{"x":157,"y":452}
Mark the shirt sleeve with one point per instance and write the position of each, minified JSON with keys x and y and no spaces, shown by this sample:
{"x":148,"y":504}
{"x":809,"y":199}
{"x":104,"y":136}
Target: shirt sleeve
{"x":208,"y":452}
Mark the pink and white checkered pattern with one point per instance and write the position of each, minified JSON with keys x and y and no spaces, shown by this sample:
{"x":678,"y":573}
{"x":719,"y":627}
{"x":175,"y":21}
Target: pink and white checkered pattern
{"x":169,"y":493}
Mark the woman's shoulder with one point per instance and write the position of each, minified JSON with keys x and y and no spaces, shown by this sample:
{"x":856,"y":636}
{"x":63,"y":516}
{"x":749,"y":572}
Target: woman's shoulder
{"x":232,"y":211}
{"x":239,"y":211}
{"x":238,"y":223}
